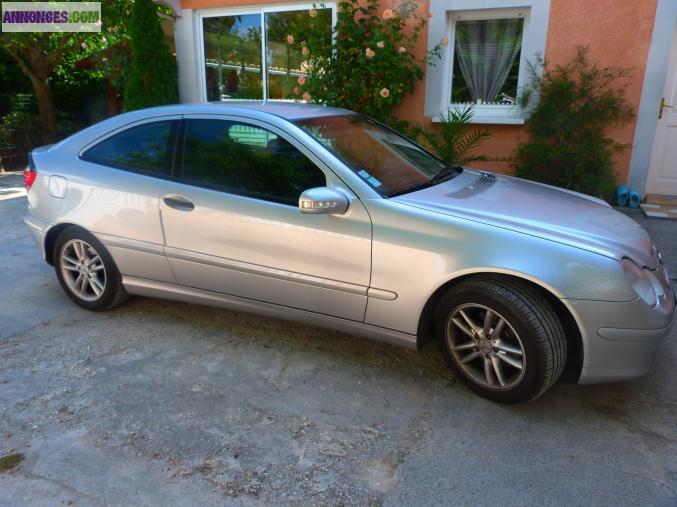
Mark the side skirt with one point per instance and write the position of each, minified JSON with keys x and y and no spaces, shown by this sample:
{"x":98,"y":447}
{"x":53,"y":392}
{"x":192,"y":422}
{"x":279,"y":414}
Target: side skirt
{"x":162,"y":290}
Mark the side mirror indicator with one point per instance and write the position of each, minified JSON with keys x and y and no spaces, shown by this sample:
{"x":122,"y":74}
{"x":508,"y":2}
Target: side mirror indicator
{"x":323,"y":200}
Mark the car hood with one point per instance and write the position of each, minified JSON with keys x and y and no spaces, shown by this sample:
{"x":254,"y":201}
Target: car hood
{"x":538,"y":210}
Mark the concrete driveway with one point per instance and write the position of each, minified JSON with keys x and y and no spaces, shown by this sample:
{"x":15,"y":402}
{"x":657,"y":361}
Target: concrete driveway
{"x":164,"y":403}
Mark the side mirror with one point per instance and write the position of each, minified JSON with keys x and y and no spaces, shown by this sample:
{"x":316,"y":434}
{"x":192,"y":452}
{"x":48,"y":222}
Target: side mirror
{"x":323,"y":200}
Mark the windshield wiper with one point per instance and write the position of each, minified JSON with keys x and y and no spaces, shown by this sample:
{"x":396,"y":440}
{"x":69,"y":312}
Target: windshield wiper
{"x":407,"y":190}
{"x":450,"y":171}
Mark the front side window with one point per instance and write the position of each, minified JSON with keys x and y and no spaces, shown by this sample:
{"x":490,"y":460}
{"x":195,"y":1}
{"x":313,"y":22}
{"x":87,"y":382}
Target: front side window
{"x":247,"y":160}
{"x":147,"y":148}
{"x":385,"y":160}
{"x":262,"y":55}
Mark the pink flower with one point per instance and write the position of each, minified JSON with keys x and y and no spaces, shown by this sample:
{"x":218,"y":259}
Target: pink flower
{"x":312,"y":12}
{"x":290,"y":39}
{"x":295,"y":90}
{"x":388,"y":14}
{"x":301,"y":80}
{"x":369,"y":53}
{"x":384,"y":93}
{"x":445,"y":42}
{"x":307,"y":97}
{"x":304,"y":51}
{"x":381,"y":44}
{"x":401,"y":49}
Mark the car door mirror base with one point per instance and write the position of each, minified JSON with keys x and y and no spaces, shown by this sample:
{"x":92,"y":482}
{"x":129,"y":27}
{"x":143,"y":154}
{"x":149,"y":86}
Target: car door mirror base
{"x":323,"y":200}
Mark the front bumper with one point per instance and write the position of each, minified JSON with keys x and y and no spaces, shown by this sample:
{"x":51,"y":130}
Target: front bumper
{"x":620,"y":339}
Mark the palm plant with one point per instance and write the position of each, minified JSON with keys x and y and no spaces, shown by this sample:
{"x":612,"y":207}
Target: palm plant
{"x":454,"y":140}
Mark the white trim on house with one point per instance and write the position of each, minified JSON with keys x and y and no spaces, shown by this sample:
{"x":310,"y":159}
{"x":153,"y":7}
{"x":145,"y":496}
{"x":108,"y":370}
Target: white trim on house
{"x":438,"y":76}
{"x":186,"y":62}
{"x":189,"y":33}
{"x":654,"y":78}
{"x":482,"y":113}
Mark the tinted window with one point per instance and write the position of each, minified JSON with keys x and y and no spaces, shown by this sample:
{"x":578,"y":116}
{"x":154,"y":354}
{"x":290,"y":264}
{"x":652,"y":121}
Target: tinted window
{"x":247,"y":160}
{"x":148,"y":147}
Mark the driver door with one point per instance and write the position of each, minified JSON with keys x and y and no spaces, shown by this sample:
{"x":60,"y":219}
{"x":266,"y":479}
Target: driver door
{"x":232,"y":223}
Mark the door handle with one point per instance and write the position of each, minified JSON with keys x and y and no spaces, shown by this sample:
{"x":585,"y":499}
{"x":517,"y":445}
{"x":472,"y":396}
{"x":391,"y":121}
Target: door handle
{"x":663,"y":106}
{"x":178,"y":202}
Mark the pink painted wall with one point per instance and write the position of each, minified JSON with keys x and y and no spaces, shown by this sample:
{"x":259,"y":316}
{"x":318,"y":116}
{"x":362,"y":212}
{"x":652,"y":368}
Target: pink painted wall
{"x":617,"y":32}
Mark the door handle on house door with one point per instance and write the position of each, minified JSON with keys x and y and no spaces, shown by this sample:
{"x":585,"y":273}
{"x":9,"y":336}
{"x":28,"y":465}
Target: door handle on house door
{"x":663,"y":106}
{"x":178,"y":202}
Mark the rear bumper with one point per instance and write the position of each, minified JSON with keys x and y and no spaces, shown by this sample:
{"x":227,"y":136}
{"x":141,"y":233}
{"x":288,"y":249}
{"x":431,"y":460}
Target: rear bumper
{"x":620,"y":339}
{"x":38,"y":229}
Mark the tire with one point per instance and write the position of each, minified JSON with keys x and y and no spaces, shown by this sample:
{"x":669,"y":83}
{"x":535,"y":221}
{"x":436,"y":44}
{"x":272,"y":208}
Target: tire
{"x":86,"y":270}
{"x":511,"y":362}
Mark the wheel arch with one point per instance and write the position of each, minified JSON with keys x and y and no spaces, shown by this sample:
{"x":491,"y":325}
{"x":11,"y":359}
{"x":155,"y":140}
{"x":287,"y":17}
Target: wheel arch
{"x":50,"y":240}
{"x":572,"y":330}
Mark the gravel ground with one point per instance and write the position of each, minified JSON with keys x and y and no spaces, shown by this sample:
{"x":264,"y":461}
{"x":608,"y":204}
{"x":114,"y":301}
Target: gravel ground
{"x":165,"y":403}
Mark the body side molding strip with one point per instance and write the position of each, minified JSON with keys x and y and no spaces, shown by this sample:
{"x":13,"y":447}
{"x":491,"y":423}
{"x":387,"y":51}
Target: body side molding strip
{"x":129,"y":244}
{"x":256,"y":269}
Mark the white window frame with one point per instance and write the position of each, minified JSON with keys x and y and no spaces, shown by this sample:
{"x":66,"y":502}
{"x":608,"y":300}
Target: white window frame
{"x":438,"y":72}
{"x":483,"y":113}
{"x":241,"y":11}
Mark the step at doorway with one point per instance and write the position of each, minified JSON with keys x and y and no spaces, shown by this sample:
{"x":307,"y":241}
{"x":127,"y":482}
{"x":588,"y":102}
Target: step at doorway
{"x":660,"y":206}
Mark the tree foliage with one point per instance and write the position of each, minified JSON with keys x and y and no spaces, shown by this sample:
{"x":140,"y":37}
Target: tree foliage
{"x":454,"y":140}
{"x":568,"y":144}
{"x":41,"y":55}
{"x":151,"y":80}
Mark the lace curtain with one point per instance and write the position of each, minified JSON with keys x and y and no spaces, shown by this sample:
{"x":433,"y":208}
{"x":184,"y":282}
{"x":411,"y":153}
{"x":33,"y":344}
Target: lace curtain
{"x":486,"y":50}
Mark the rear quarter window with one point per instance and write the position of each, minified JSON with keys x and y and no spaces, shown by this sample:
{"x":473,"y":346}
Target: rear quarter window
{"x":145,"y":148}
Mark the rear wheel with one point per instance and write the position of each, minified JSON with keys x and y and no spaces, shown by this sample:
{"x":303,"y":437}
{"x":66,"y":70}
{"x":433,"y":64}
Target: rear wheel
{"x":501,"y":338}
{"x":86,"y":270}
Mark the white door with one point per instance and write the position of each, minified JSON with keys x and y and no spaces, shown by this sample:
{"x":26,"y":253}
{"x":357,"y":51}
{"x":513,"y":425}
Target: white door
{"x":663,"y":170}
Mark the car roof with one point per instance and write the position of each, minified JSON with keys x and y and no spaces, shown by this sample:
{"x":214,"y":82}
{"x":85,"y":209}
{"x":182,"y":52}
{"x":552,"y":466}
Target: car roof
{"x":287,"y":111}
{"x":283,"y":109}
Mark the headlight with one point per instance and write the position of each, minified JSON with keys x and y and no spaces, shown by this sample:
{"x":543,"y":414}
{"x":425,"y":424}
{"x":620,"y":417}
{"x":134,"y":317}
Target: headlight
{"x":641,"y":281}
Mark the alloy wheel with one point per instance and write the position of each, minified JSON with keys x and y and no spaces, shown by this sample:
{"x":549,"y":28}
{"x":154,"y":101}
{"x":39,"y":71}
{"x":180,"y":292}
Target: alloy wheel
{"x":485,"y":346}
{"x":83,"y":270}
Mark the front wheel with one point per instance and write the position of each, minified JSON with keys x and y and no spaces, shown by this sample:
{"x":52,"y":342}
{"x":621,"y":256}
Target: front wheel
{"x":86,"y":270}
{"x":501,"y":338}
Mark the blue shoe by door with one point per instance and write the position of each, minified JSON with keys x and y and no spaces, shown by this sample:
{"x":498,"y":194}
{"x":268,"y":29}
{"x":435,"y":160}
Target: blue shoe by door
{"x":633,"y":198}
{"x":622,"y":195}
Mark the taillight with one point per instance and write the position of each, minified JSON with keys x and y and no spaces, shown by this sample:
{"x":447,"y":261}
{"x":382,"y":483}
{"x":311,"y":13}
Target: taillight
{"x":30,"y":173}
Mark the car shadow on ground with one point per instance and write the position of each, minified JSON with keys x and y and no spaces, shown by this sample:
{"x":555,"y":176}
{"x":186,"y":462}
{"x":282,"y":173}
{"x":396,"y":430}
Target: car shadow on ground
{"x":215,"y":324}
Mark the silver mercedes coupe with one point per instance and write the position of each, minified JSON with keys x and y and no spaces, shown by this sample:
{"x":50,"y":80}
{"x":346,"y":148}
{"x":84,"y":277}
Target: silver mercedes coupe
{"x":325,"y":216}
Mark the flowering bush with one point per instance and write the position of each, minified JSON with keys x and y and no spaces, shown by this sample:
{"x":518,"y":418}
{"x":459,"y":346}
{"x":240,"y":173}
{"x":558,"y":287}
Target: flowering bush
{"x":369,"y":65}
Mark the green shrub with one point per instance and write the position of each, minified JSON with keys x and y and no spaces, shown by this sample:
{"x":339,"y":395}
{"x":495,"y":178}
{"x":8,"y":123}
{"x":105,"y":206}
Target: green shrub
{"x":454,"y":139}
{"x":151,"y":79}
{"x":568,"y":145}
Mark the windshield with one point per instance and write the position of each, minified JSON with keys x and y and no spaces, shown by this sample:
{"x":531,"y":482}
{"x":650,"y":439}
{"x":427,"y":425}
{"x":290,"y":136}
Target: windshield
{"x":387,"y":161}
